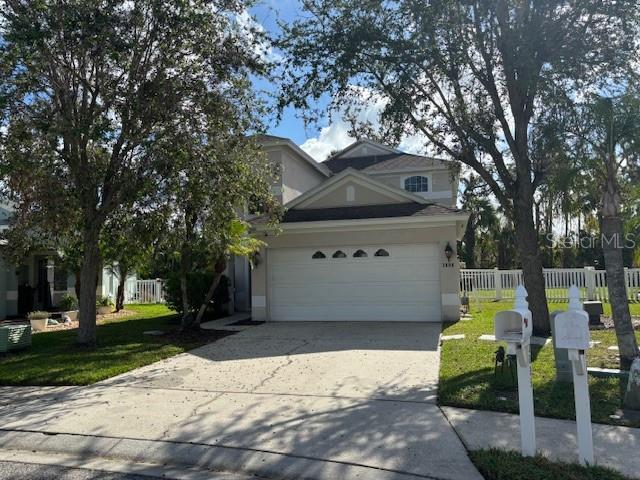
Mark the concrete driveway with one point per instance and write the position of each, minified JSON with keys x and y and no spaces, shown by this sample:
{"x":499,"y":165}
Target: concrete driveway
{"x":284,"y":400}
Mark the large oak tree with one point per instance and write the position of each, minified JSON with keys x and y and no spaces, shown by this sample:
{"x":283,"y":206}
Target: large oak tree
{"x":88,"y":87}
{"x":472,"y":76}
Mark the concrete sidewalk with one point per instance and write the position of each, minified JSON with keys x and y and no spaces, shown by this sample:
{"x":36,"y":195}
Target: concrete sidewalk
{"x":615,"y":447}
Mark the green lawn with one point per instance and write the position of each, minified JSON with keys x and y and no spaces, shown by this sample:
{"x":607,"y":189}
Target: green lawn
{"x":467,"y":378}
{"x":55,"y":359}
{"x":501,"y":465}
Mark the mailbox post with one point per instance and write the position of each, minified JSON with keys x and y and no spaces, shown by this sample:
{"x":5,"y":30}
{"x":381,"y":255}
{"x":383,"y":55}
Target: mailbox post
{"x":572,"y":333}
{"x":515,"y":327}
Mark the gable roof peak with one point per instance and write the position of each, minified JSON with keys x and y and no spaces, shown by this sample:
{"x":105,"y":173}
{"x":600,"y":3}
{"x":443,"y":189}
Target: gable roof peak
{"x":386,"y":149}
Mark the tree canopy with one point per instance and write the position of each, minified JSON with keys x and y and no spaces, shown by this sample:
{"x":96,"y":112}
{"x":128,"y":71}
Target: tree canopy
{"x":89,"y":89}
{"x":471,"y":76}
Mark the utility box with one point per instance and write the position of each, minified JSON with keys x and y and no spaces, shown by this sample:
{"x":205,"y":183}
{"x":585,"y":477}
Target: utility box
{"x":14,"y":337}
{"x":594,"y":311}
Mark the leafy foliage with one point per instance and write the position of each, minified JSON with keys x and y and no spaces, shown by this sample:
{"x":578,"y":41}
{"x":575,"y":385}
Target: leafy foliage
{"x":68,"y":302}
{"x":91,"y":93}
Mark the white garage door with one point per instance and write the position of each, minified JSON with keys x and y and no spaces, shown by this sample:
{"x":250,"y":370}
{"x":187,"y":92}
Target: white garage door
{"x":388,"y":282}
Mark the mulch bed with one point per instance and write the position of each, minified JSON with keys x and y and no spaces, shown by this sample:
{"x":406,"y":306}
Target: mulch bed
{"x":100,"y":319}
{"x":607,"y":323}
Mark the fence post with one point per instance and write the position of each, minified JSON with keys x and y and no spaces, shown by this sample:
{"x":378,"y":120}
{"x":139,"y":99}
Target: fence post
{"x":590,"y":282}
{"x":627,"y":282}
{"x":497,"y":280}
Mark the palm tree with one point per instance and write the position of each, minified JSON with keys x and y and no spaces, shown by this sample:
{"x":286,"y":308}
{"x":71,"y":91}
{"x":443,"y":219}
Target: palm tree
{"x":606,"y":138}
{"x":476,"y":199}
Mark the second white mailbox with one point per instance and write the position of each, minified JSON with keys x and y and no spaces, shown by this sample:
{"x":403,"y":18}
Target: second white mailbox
{"x":572,"y":330}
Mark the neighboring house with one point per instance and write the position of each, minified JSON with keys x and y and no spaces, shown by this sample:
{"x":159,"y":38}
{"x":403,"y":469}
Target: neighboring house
{"x":365,"y":236}
{"x":39,"y":282}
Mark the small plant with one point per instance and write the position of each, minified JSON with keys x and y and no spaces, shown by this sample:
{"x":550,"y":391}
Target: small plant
{"x":38,"y":315}
{"x":104,"y":301}
{"x":68,"y":302}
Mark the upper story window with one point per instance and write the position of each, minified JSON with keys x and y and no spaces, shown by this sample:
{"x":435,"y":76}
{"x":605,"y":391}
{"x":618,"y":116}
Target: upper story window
{"x":416,"y":184}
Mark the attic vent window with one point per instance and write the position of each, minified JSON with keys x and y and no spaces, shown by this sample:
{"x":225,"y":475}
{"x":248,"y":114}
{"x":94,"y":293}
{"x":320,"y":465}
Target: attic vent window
{"x":360,"y":254}
{"x":339,"y":254}
{"x":416,"y":184}
{"x":382,"y":253}
{"x":351,"y":193}
{"x":318,"y":254}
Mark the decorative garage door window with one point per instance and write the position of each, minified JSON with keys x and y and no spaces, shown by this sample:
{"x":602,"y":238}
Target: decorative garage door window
{"x":357,"y":253}
{"x":416,"y":183}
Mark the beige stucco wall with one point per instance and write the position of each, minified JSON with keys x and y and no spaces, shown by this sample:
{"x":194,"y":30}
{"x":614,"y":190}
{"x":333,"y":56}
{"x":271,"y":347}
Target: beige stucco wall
{"x":296,"y":175}
{"x":371,"y":235}
{"x":363,"y":195}
{"x":442,"y":189}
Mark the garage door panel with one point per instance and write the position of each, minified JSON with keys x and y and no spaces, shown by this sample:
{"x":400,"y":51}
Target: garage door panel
{"x":332,"y":294}
{"x":404,"y":286}
{"x":407,"y":313}
{"x":341,"y":274}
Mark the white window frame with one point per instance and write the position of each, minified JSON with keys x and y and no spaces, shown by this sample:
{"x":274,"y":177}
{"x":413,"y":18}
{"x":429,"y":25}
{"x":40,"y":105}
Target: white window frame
{"x":429,"y":183}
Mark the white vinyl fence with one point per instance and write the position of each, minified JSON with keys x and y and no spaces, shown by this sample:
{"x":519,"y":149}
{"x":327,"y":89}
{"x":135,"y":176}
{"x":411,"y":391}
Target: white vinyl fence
{"x":494,"y":284}
{"x":144,"y":291}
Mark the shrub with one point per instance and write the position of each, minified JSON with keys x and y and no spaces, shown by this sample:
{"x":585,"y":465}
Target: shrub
{"x":197,"y":285}
{"x":38,"y":315}
{"x":68,"y":302}
{"x":103,"y":301}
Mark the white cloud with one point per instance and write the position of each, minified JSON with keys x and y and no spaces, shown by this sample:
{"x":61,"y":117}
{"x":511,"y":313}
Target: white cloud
{"x":335,"y":136}
{"x":331,"y":138}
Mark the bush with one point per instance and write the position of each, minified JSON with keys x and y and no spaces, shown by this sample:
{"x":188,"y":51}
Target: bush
{"x":197,"y":285}
{"x":68,"y":302}
{"x":38,"y":315}
{"x":103,"y":301}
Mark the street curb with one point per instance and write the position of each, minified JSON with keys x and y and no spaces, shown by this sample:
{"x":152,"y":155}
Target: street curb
{"x":116,"y":466}
{"x":212,"y":458}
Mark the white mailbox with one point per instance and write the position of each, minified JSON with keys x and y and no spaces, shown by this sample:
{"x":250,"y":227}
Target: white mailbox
{"x":572,"y":330}
{"x":572,"y":333}
{"x":515,"y":327}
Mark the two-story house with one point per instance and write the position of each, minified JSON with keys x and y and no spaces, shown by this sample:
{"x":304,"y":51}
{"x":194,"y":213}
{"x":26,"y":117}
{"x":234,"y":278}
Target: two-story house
{"x":369,"y":234}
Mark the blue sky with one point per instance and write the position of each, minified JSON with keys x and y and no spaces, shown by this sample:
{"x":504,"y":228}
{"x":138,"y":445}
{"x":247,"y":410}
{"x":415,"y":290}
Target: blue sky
{"x":317,"y":140}
{"x":267,"y":13}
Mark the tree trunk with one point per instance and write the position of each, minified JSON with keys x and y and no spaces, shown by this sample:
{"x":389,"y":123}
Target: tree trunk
{"x":185,"y":266}
{"x":529,"y":253}
{"x":76,"y":284}
{"x":220,"y":267}
{"x":612,"y":237}
{"x":470,"y":243}
{"x":122,"y":280}
{"x":88,"y":278}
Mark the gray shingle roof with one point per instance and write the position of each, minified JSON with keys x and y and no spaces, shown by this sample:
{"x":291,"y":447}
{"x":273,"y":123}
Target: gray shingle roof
{"x":391,"y":161}
{"x":410,"y":209}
